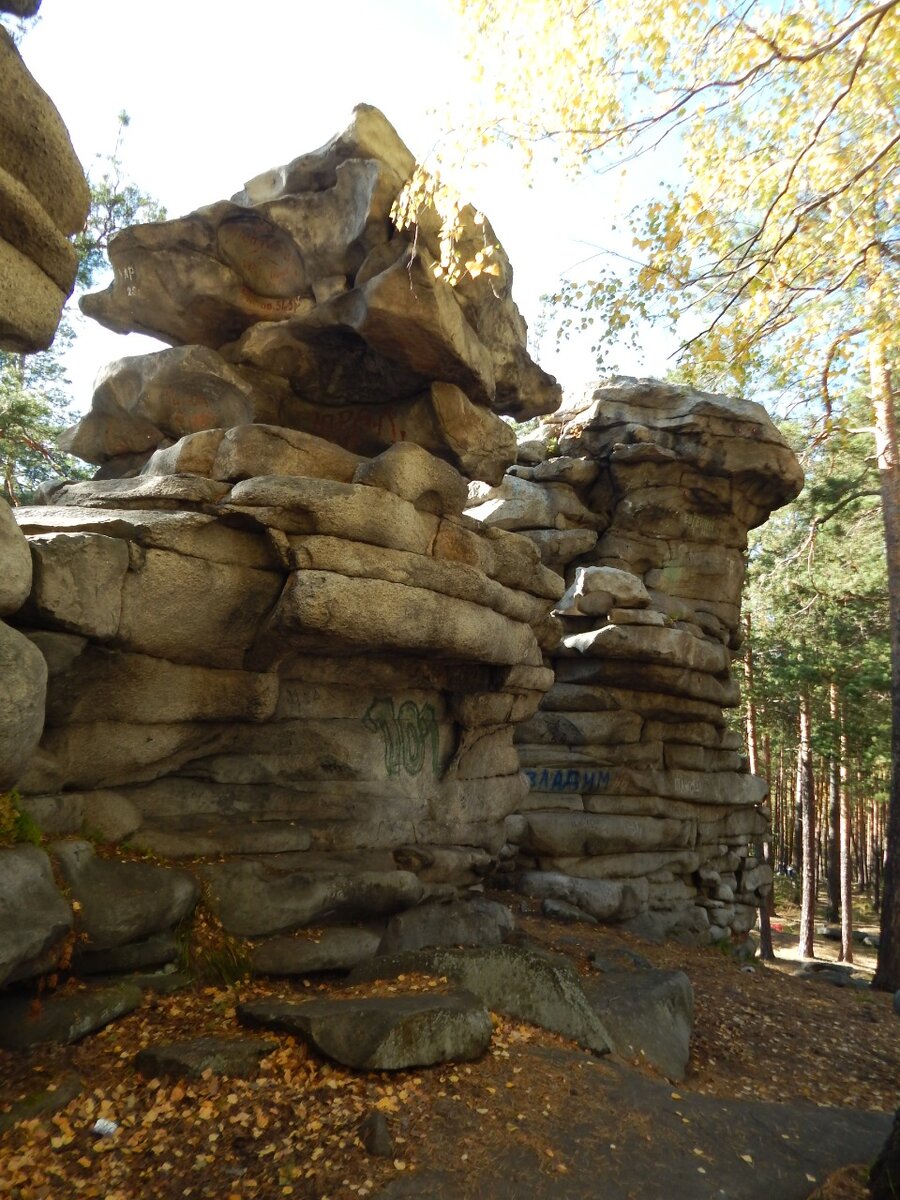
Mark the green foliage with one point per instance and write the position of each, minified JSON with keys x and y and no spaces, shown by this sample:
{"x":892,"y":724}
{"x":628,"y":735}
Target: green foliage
{"x":777,"y":238}
{"x":34,"y":409}
{"x":115,"y":204}
{"x":16,"y":826}
{"x":817,"y":598}
{"x":35,"y":405}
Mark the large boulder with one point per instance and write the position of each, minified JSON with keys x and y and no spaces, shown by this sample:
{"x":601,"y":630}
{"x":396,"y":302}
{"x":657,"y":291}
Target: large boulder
{"x":44,"y":199}
{"x":519,"y":981}
{"x":15,"y":578}
{"x":122,"y":902}
{"x":649,"y":1015}
{"x":23,"y":690}
{"x":299,"y":276}
{"x":382,"y":1033}
{"x":34,"y":917}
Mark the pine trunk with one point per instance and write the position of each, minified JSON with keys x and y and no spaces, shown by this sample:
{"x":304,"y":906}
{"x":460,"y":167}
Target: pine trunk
{"x":806,"y":804}
{"x":846,"y":875}
{"x":887,"y":974}
{"x":766,"y":950}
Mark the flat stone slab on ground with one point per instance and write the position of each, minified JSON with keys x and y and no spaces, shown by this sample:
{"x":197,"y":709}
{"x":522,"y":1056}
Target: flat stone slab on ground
{"x":698,"y":1150}
{"x":649,"y":1014}
{"x":190,"y":1058}
{"x":516,"y":980}
{"x":382,"y":1033}
{"x":42,"y":1101}
{"x":62,"y":1019}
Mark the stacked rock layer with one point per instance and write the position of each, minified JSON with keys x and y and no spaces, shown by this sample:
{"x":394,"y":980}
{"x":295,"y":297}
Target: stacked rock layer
{"x":641,"y":803}
{"x":44,"y":199}
{"x":277,"y":648}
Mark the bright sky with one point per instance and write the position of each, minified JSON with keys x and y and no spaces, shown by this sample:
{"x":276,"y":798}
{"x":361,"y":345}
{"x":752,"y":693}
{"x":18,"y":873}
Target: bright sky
{"x":219,"y":91}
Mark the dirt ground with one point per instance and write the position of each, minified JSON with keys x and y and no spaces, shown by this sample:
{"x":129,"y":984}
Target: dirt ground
{"x":759,"y":1034}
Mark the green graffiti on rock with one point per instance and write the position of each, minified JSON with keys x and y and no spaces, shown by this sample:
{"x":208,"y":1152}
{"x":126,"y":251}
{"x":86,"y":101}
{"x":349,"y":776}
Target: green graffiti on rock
{"x":408,"y":734}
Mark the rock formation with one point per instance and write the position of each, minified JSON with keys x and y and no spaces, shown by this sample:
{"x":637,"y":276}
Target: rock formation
{"x":641,"y":804}
{"x":277,"y":649}
{"x":293,"y":623}
{"x":44,"y":199}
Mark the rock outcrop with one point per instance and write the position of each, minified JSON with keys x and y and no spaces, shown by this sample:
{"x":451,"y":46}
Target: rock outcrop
{"x":641,"y":805}
{"x":278,"y":651}
{"x":291,"y":627}
{"x":44,"y":199}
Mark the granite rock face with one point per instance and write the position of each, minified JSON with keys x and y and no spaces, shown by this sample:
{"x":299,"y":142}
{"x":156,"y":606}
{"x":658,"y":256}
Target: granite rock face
{"x":637,"y":788}
{"x":305,"y":638}
{"x":43,"y":201}
{"x":272,"y":637}
{"x":303,"y":278}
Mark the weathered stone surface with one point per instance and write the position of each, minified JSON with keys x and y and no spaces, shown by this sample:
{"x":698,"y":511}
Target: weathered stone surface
{"x":43,"y":199}
{"x":374,"y":1133}
{"x":167,"y":491}
{"x":155,"y":951}
{"x":252,"y":901}
{"x":594,"y":833}
{"x":149,"y":400}
{"x":300,"y":273}
{"x":353,"y":511}
{"x":649,"y":1015}
{"x":382,"y":1033}
{"x":482,"y":445}
{"x":557,"y":547}
{"x":34,"y":917}
{"x":330,"y":949}
{"x":666,"y":647}
{"x":188,"y":1059}
{"x":122,"y":902}
{"x":23,"y":689}
{"x":216,"y":632}
{"x":470,"y":922}
{"x":521,"y":504}
{"x":417,"y":476}
{"x":516,"y":980}
{"x":604,"y":899}
{"x":598,"y":589}
{"x":63,"y":1018}
{"x":78,"y":581}
{"x":15,"y":578}
{"x":397,"y":617}
{"x":107,"y":685}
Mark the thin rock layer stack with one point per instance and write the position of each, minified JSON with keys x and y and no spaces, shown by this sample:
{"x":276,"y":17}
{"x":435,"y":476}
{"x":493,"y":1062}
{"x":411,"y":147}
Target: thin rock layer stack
{"x":641,"y":803}
{"x":278,"y":651}
{"x":44,"y":199}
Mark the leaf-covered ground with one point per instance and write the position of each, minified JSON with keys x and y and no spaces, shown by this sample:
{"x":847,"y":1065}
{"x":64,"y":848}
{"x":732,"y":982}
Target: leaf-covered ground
{"x":292,"y":1131}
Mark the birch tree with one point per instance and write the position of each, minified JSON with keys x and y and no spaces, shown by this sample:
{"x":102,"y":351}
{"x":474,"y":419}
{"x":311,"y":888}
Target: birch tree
{"x":776,"y":249}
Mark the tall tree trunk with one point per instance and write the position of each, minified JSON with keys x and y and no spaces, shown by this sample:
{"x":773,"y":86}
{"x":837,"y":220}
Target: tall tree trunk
{"x":801,"y":788}
{"x":834,"y":811}
{"x":806,"y":803}
{"x":887,"y":974}
{"x":766,"y":950}
{"x":844,"y":846}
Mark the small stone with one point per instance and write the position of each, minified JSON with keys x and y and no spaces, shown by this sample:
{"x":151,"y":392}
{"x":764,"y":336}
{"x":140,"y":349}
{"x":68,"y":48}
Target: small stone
{"x":374,"y":1134}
